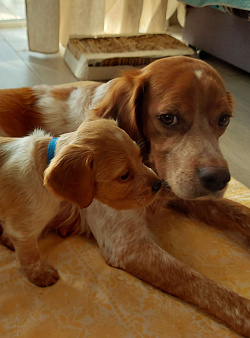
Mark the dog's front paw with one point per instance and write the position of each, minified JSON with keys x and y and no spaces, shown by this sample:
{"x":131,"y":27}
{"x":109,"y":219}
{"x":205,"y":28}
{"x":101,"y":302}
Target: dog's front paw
{"x":42,"y":274}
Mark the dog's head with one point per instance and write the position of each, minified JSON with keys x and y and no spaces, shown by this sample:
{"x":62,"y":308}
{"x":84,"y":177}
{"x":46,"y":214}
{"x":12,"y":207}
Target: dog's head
{"x":179,"y":108}
{"x":101,"y":161}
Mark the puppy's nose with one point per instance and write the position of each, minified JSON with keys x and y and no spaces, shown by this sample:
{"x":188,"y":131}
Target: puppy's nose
{"x":213,"y":178}
{"x":156,"y":186}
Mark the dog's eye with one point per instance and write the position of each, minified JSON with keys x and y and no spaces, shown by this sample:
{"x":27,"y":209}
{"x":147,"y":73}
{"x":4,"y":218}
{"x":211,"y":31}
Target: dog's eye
{"x":168,"y":119}
{"x":224,"y":120}
{"x":125,"y":177}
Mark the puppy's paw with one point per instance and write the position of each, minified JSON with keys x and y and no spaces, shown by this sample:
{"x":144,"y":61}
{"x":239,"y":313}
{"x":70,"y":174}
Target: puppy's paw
{"x":42,"y":274}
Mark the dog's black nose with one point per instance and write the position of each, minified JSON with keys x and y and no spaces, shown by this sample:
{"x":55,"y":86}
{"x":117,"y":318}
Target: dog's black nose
{"x":156,"y":186}
{"x":214,"y":178}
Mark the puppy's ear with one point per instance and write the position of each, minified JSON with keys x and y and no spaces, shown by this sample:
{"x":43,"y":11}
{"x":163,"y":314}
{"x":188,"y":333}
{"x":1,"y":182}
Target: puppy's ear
{"x":123,"y":103}
{"x":70,"y":176}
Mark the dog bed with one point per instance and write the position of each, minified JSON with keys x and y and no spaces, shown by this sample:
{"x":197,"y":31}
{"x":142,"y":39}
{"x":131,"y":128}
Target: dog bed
{"x":93,"y":299}
{"x":103,"y":58}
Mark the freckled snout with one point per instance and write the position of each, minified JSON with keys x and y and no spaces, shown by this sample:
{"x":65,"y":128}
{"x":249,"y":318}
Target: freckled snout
{"x":156,"y":186}
{"x":214,"y":178}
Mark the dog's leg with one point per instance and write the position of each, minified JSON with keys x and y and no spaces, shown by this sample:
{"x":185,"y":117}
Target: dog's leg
{"x":222,"y":213}
{"x":144,"y":259}
{"x":29,"y":256}
{"x":126,"y":243}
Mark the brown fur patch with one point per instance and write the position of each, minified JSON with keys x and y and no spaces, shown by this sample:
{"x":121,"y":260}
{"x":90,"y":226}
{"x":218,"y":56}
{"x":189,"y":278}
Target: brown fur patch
{"x":62,"y":94}
{"x":18,"y":113}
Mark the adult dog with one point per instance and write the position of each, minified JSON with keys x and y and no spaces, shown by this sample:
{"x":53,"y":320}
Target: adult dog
{"x":177,"y":108}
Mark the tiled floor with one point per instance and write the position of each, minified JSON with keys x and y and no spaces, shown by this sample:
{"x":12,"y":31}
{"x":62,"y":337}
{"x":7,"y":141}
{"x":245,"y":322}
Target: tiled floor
{"x":19,"y":68}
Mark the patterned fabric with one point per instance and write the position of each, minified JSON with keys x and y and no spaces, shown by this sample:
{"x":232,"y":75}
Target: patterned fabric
{"x":94,"y":300}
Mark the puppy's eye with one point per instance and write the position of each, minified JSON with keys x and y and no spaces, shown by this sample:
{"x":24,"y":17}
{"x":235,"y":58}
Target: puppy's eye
{"x":168,"y":119}
{"x":125,"y":177}
{"x":224,"y":120}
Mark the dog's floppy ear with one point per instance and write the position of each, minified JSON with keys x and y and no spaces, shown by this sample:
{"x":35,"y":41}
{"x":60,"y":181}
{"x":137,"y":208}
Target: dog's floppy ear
{"x":122,"y":102}
{"x":70,"y":176}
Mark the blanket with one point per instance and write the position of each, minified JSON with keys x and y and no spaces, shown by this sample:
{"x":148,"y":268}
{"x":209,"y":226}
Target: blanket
{"x":92,"y":299}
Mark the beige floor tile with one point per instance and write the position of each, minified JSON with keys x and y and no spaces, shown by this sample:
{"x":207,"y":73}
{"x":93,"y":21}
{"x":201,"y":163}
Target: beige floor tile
{"x":14,"y":72}
{"x":50,"y":68}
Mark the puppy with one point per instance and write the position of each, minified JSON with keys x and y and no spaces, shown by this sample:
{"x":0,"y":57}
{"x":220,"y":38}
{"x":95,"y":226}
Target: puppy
{"x":98,"y":161}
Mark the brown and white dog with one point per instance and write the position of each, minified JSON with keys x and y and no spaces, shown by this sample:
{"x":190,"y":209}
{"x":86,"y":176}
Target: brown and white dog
{"x":177,"y":108}
{"x":99,"y":160}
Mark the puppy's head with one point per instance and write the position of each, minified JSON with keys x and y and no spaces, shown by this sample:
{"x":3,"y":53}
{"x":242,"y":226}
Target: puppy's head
{"x":102,"y":162}
{"x":180,"y":108}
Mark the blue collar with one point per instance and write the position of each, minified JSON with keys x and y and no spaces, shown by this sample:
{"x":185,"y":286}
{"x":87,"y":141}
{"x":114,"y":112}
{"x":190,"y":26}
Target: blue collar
{"x":51,"y":149}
